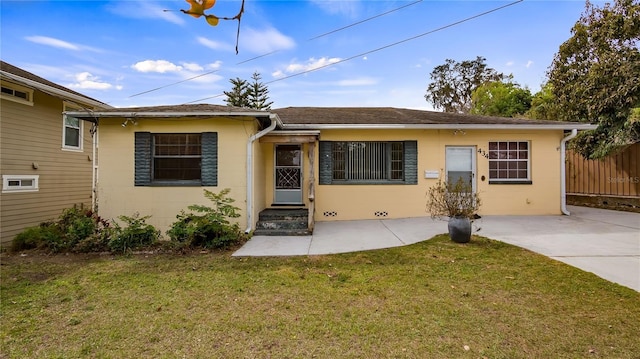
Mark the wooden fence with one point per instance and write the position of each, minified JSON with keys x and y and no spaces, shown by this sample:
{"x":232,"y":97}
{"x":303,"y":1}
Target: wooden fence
{"x":616,"y":175}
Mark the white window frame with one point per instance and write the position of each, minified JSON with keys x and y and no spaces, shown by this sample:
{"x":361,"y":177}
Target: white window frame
{"x":80,"y":129}
{"x":13,"y":88}
{"x":499,"y":180}
{"x":9,"y":183}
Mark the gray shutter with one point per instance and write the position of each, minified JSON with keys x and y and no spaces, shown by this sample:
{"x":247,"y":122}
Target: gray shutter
{"x":209,"y":167}
{"x":142,"y":171}
{"x":411,"y":162}
{"x":325,"y":166}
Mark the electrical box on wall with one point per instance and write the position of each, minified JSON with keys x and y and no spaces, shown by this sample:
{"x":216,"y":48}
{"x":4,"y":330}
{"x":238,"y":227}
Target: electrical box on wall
{"x":431,"y":174}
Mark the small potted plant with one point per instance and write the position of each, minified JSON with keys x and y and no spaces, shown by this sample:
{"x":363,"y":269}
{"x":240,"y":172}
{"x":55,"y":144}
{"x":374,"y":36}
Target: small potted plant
{"x":458,"y":202}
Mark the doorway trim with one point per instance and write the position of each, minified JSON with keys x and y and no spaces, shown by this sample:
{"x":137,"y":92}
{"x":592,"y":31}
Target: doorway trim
{"x":453,"y":165}
{"x":288,"y":175}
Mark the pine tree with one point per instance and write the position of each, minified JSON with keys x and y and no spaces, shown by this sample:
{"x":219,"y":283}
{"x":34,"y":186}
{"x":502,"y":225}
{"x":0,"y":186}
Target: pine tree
{"x":239,"y":94}
{"x":258,"y":94}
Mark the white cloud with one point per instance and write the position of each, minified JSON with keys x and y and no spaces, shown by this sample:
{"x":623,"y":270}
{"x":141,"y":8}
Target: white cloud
{"x":191,"y":71}
{"x":50,"y":41}
{"x":214,"y":45}
{"x":309,"y":65}
{"x":146,"y":10}
{"x":160,"y":66}
{"x":61,"y":44}
{"x":264,"y":41}
{"x":192,"y":66}
{"x":529,"y":63}
{"x":363,"y":81}
{"x":87,"y":81}
{"x":214,"y":65}
{"x":509,"y":63}
{"x":341,"y":7}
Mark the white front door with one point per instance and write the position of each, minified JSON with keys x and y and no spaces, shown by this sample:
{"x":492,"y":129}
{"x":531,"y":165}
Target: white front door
{"x":288,"y":174}
{"x":460,"y":162}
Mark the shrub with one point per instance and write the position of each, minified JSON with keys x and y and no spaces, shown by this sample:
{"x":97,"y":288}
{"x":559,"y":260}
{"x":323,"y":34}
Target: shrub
{"x":136,"y":234}
{"x":446,"y":199}
{"x":76,"y":229}
{"x":43,"y":236}
{"x":208,"y":227}
{"x":96,"y":242}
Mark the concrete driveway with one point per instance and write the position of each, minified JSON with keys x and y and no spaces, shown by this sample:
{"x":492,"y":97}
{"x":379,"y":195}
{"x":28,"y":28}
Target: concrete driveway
{"x":603,"y":242}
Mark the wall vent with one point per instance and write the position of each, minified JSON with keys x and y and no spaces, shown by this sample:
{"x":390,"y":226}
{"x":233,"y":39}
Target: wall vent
{"x":330,"y":214}
{"x":381,"y":213}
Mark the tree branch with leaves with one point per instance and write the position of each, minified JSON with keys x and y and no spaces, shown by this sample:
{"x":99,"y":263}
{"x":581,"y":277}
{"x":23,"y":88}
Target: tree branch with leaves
{"x":595,"y":77}
{"x":199,"y":6}
{"x":452,"y":83}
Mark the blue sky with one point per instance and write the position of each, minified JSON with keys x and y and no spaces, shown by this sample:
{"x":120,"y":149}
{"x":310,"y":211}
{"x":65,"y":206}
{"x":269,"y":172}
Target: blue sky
{"x":115,"y":50}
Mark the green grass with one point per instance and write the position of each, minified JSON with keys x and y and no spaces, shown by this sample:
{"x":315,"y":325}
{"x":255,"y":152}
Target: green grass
{"x":435,"y":299}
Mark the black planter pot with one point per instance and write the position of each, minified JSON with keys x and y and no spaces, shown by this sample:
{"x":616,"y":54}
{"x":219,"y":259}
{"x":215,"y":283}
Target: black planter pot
{"x":460,"y":229}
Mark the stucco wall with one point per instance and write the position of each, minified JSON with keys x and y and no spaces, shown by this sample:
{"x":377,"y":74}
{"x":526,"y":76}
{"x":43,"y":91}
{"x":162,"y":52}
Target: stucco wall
{"x":117,"y":194}
{"x":363,"y":201}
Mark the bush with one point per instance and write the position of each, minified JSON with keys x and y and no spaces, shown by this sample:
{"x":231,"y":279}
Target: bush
{"x":96,"y":242}
{"x":209,"y":227}
{"x":72,"y":227}
{"x":43,"y":236}
{"x":136,"y":234}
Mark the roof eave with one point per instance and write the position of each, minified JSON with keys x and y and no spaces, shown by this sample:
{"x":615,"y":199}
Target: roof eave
{"x":128,"y":114}
{"x":52,"y":90}
{"x":568,"y":126}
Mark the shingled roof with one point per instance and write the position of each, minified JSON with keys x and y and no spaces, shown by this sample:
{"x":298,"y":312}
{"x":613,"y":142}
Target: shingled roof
{"x":178,"y":110}
{"x":22,"y":74}
{"x":308,"y":117}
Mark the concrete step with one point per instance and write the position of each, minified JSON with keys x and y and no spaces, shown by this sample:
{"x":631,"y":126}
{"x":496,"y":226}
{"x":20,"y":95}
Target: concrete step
{"x":283,"y":214}
{"x":281,"y":232}
{"x":283,"y":224}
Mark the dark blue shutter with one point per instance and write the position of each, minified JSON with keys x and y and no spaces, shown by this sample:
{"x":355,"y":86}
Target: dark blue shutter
{"x":142,"y":172}
{"x":325,"y":163}
{"x":209,"y":167}
{"x":411,"y":162}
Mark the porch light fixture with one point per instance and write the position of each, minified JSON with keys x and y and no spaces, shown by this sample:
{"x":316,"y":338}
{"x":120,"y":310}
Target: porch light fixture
{"x":129,"y":120}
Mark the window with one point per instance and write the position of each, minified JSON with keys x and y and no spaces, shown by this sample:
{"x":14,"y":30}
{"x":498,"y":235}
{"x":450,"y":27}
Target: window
{"x":20,"y":183}
{"x":72,"y":135}
{"x":17,"y":93}
{"x":365,"y":162}
{"x":509,"y":162}
{"x":176,"y":159}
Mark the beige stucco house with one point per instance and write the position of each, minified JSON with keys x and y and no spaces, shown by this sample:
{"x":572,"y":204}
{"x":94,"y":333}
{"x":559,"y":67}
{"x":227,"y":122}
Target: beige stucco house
{"x":46,"y":160}
{"x":335,"y":163}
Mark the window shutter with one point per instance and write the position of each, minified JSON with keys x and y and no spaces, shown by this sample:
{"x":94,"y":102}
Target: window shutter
{"x":142,"y":172}
{"x":325,"y":163}
{"x":209,"y":170}
{"x":411,"y":162}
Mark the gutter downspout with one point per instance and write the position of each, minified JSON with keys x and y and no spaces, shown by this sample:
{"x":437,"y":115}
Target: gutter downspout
{"x":252,"y":139}
{"x":563,"y":173}
{"x":94,"y":170}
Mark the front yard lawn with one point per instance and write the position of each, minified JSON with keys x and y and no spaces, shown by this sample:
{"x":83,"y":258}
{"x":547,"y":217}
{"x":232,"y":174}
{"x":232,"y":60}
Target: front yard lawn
{"x":434,"y":299}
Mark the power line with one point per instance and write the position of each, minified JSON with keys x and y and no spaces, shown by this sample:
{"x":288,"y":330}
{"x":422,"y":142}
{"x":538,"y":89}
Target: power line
{"x":381,"y":48}
{"x":363,"y":21}
{"x":273,"y":52}
{"x":175,"y":83}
